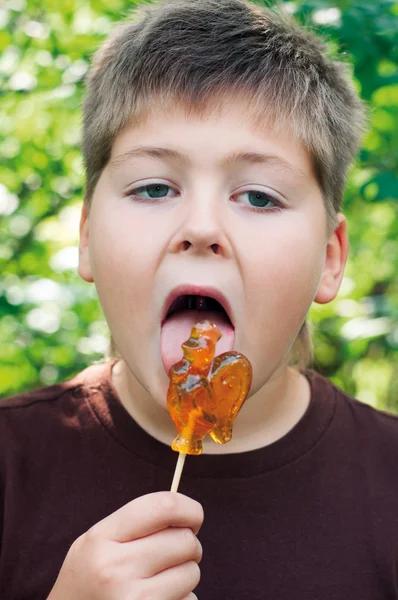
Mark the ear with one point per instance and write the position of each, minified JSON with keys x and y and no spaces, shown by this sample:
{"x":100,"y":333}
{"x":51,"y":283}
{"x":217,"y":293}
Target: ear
{"x":335,"y":261}
{"x":84,"y":268}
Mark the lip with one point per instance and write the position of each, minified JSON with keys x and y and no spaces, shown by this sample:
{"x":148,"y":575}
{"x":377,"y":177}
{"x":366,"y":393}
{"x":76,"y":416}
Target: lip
{"x":196,"y":290}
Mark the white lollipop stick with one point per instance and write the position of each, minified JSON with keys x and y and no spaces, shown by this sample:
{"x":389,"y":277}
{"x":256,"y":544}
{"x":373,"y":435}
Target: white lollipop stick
{"x":178,"y":472}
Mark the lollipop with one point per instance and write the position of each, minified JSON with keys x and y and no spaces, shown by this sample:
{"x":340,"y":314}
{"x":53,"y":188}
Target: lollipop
{"x":205,"y":393}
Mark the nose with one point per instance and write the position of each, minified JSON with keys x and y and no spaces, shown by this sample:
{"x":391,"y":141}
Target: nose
{"x":202,"y":226}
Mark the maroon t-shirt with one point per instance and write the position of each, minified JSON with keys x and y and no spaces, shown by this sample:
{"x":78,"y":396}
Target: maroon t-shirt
{"x":313,"y":516}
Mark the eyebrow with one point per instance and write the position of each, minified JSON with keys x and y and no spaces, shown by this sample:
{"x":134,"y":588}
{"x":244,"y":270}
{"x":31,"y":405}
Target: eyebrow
{"x":254,"y":158}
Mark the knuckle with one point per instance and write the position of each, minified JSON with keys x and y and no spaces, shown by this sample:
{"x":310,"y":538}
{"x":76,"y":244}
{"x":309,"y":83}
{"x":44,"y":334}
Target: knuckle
{"x":75,"y":548}
{"x":199,"y":553}
{"x":172,"y":505}
{"x":105,"y":575}
{"x":194,"y":573}
{"x":168,"y":502}
{"x":91,"y":537}
{"x":201,"y":514}
{"x":80,"y":547}
{"x":100,"y":568}
{"x":101,"y":564}
{"x":189,"y":540}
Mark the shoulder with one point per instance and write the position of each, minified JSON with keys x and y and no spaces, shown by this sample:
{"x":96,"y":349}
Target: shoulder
{"x":374,"y":431}
{"x":40,"y":395}
{"x":51,"y":393}
{"x":43,"y":411}
{"x":321,"y":385}
{"x":38,"y":425}
{"x":90,"y":378}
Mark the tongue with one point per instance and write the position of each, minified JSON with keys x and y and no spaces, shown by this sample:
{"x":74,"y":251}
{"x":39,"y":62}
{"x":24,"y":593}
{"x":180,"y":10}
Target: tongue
{"x":177,"y":330}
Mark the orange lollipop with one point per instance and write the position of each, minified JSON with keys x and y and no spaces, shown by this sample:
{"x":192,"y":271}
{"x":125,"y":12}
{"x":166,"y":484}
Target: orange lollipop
{"x":205,"y":393}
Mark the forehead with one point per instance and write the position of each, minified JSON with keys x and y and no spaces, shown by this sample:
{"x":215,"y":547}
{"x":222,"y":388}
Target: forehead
{"x":217,"y":108}
{"x":223,"y":132}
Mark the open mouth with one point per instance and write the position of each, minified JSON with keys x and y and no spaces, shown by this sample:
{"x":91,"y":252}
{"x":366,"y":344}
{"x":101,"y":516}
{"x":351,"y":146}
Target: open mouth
{"x":186,"y":310}
{"x":196,"y":302}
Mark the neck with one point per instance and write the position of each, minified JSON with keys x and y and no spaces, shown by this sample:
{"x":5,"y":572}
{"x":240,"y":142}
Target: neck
{"x":265,"y":417}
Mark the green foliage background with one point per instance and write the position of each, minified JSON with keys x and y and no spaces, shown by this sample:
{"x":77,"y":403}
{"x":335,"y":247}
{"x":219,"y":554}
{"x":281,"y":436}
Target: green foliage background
{"x":51,"y":325}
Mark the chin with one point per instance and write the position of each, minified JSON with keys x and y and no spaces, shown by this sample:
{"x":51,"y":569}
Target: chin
{"x":158,"y":386}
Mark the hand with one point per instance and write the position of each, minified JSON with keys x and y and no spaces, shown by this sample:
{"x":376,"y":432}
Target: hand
{"x":147,"y":549}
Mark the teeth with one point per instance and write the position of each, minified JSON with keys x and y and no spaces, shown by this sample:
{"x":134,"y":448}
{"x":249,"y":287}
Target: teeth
{"x":201,"y":303}
{"x":197,"y":303}
{"x":191,"y":302}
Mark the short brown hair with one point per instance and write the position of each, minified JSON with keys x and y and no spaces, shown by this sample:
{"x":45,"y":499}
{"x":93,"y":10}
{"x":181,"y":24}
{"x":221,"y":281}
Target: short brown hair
{"x":197,"y":53}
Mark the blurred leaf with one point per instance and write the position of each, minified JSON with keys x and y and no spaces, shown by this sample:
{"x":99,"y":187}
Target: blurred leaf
{"x":45,"y":49}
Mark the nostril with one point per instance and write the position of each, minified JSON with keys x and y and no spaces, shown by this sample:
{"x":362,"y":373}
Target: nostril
{"x":214,"y":247}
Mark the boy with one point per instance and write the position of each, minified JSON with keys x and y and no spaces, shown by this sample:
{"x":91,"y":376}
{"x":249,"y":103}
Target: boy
{"x":217,"y":137}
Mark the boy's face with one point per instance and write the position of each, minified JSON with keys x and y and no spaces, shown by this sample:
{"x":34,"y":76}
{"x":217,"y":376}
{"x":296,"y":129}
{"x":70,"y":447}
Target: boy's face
{"x":202,"y":226}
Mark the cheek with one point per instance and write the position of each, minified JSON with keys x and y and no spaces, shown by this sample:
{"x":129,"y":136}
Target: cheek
{"x":123,"y":258}
{"x":126,"y":240}
{"x":285,"y":257}
{"x":281,"y":269}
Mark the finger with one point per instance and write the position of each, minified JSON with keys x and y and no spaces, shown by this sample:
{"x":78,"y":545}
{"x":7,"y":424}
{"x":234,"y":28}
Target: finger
{"x":191,"y":596}
{"x":148,"y":514}
{"x":175,"y":583}
{"x":163,"y":550}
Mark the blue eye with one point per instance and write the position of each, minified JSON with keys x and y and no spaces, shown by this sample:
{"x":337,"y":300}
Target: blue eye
{"x":257,"y":200}
{"x":154,"y":190}
{"x":261,"y":201}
